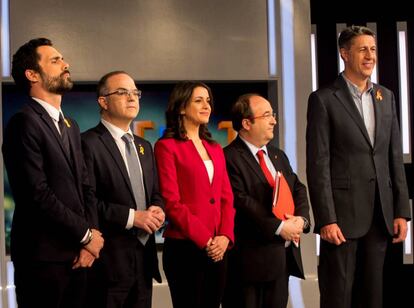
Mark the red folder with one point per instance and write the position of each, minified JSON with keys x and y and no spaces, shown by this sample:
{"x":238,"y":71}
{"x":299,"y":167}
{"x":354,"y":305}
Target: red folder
{"x":282,"y":198}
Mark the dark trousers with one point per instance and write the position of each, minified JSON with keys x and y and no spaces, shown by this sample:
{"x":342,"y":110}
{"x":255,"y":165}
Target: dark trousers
{"x":258,"y":294}
{"x":195,"y":281}
{"x":132,"y":291}
{"x":350,"y":275}
{"x":49,"y":285}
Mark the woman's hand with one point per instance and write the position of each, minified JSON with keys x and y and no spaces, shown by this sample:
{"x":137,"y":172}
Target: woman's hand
{"x":217,"y":248}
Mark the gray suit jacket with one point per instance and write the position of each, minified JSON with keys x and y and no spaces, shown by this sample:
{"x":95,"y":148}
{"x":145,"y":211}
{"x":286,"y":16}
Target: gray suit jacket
{"x":343,"y":168}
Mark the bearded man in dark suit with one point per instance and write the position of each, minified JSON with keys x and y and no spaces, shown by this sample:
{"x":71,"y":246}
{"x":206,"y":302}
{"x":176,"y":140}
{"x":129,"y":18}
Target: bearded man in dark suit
{"x":53,"y":233}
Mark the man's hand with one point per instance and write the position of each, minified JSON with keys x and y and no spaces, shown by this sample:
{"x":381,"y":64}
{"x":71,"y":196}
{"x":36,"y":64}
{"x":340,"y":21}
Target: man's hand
{"x":96,"y":244}
{"x":298,"y":222}
{"x":149,"y":220}
{"x":400,"y":230}
{"x":217,"y":247}
{"x":292,"y":228}
{"x":158,"y":212}
{"x":332,"y":234}
{"x":85,"y":259}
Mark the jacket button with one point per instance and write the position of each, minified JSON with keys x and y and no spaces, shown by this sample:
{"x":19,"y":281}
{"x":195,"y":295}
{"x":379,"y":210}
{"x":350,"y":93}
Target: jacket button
{"x":212,"y":201}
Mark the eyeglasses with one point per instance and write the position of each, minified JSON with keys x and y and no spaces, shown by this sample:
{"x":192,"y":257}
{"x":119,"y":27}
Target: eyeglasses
{"x":266,"y":116}
{"x":124,"y":92}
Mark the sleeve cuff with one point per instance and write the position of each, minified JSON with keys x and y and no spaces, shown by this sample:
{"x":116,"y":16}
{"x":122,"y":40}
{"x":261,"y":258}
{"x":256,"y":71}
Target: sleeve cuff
{"x":87,"y":237}
{"x":305,"y":223}
{"x":279,"y":229}
{"x":130,"y":221}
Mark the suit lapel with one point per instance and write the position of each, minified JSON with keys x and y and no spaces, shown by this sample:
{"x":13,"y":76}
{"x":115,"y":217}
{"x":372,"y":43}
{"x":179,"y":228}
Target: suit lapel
{"x":211,"y":154}
{"x":377,"y":97}
{"x":345,"y":98}
{"x":49,"y":123}
{"x":251,"y":161}
{"x":274,"y":159}
{"x":109,"y":143}
{"x":73,"y":162}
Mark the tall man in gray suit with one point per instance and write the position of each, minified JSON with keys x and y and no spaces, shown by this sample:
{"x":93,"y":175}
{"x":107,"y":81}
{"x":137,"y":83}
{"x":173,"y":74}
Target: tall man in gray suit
{"x":356,"y":177}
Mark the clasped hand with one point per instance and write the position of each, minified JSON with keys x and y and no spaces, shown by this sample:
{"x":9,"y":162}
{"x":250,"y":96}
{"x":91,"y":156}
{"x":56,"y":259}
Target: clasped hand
{"x":149,"y":220}
{"x":292,"y":228}
{"x":216,"y":247}
{"x":90,"y":252}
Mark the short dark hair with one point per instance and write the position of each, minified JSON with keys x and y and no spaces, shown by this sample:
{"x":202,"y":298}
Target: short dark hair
{"x":27,"y":58}
{"x":347,"y":35}
{"x":178,"y":100}
{"x":102,"y":88}
{"x":241,"y":110}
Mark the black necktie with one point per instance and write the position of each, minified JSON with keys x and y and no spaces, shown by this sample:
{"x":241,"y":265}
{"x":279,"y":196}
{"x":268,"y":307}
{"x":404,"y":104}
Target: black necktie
{"x":64,"y":134}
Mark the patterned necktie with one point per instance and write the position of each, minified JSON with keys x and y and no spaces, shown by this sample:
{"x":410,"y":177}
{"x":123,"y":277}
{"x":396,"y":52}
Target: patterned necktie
{"x":137,"y":183}
{"x":265,"y":170}
{"x":64,"y":134}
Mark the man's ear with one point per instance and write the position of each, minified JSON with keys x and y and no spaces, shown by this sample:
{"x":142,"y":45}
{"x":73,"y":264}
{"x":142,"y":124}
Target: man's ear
{"x":246,"y":124}
{"x":32,"y":75}
{"x":344,"y":54}
{"x":182,"y":112}
{"x":103,"y":103}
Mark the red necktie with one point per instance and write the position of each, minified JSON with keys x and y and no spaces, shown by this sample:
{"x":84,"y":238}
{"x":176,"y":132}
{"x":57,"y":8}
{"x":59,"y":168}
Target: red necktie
{"x":265,"y":170}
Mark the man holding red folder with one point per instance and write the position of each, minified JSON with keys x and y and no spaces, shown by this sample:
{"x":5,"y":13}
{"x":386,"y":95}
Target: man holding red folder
{"x":272,"y":211}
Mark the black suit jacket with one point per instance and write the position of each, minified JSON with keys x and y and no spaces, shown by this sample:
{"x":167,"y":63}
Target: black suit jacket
{"x":343,"y":168}
{"x":50,"y":194}
{"x":257,"y":248}
{"x":110,"y":179}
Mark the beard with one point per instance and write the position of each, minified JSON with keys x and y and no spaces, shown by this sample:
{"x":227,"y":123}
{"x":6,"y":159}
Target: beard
{"x":57,"y":85}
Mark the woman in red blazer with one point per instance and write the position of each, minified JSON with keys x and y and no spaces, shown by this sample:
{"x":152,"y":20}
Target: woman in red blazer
{"x":198,"y":200}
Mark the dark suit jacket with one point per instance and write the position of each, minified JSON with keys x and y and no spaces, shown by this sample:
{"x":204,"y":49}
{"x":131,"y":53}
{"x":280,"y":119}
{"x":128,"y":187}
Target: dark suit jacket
{"x":343,"y":168}
{"x":50,"y":217}
{"x":257,"y":248}
{"x":110,"y":179}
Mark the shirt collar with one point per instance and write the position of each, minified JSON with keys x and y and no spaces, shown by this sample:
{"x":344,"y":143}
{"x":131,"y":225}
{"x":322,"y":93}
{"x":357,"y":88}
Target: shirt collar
{"x":52,"y":111}
{"x":254,"y":149}
{"x":354,"y":88}
{"x":115,"y":131}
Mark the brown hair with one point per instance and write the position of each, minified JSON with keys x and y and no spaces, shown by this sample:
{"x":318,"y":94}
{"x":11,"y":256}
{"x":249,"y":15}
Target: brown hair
{"x":178,"y":100}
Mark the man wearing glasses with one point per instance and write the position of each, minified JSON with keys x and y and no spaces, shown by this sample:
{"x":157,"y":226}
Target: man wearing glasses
{"x":123,"y":172}
{"x":266,"y":249}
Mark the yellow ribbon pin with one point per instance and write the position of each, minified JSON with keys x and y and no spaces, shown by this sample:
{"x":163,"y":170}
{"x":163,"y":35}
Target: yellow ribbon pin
{"x":66,"y":122}
{"x":378,"y":95}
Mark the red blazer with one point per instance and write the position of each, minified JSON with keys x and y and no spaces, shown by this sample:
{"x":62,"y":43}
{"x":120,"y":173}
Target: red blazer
{"x":195,"y":209}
